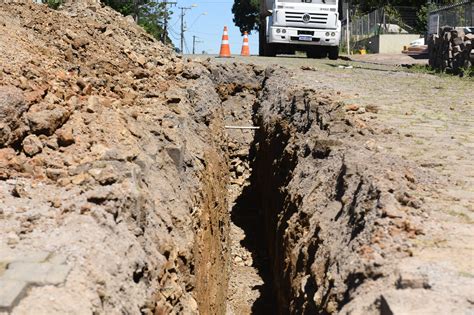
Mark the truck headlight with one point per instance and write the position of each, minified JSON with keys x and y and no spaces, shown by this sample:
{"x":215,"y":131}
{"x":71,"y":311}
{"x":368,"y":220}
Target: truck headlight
{"x":333,"y":34}
{"x":283,"y":31}
{"x":278,"y":30}
{"x":327,"y":34}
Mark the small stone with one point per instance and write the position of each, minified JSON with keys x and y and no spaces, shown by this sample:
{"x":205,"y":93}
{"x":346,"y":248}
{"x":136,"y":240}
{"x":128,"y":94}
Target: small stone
{"x":65,"y":137}
{"x":47,"y":121}
{"x":92,"y":103}
{"x":392,"y":212}
{"x":56,"y":202}
{"x":361,"y":110}
{"x":106,"y":176}
{"x":32,"y":145}
{"x":141,"y":59}
{"x":352,"y":107}
{"x":69,"y":55}
{"x":87,"y":89}
{"x":80,"y":42}
{"x":5,"y":132}
{"x":176,"y":154}
{"x":79,"y":179}
{"x":372,"y":108}
{"x":52,"y":143}
{"x":240,"y":169}
{"x":55,"y":174}
{"x":12,"y":239}
{"x":410,"y":177}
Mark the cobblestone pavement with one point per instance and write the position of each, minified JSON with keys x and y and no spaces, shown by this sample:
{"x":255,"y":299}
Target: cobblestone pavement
{"x":20,"y":270}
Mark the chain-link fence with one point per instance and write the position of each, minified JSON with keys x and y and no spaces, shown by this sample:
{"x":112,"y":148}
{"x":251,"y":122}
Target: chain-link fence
{"x":386,"y":20}
{"x":456,"y":15}
{"x":381,"y":21}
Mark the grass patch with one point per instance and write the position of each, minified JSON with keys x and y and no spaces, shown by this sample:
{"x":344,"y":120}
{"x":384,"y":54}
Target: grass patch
{"x":466,"y":74}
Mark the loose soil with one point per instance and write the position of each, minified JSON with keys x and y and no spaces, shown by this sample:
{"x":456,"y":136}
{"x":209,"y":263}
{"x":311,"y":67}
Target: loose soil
{"x":354,"y":196}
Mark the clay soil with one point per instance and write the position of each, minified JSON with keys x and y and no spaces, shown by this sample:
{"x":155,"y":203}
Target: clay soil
{"x":352,"y":196}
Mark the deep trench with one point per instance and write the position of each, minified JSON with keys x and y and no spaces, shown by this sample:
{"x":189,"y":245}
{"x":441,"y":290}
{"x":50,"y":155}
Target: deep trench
{"x":258,"y":216}
{"x":306,"y":208}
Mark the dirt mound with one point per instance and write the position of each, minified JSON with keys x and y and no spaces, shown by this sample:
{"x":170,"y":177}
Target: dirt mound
{"x":122,"y":191}
{"x":101,"y":161}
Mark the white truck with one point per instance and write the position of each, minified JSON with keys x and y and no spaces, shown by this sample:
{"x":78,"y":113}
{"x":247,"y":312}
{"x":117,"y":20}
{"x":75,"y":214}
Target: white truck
{"x":313,"y":26}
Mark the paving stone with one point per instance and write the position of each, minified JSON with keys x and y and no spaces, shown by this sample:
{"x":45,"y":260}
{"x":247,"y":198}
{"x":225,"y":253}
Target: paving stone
{"x":11,"y":292}
{"x":57,"y":259}
{"x":30,"y":272}
{"x":8,"y":255}
{"x":37,"y":273}
{"x":57,"y":274}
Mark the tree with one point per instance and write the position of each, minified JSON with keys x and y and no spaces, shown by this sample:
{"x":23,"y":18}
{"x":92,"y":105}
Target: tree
{"x":246,"y":15}
{"x":150,"y":14}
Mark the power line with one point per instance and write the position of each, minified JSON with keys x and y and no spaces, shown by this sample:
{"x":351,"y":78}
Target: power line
{"x":183,"y":13}
{"x":194,"y":32}
{"x":185,"y":45}
{"x":165,"y":26}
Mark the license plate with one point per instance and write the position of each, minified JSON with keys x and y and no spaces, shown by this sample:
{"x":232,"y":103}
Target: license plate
{"x":305,"y":38}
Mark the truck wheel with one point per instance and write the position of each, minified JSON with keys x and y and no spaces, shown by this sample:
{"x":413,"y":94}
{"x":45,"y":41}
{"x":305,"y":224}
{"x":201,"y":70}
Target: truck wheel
{"x":261,"y":38}
{"x":269,"y":50}
{"x":333,"y":52}
{"x":316,"y":52}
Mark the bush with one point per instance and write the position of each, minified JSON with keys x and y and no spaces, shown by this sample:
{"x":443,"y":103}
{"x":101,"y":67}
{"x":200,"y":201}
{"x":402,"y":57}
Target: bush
{"x":54,"y":4}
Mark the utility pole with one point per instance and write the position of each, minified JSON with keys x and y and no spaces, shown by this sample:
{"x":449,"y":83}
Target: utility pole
{"x":165,"y":22}
{"x":183,"y":13}
{"x":194,"y":43}
{"x":348,"y":28}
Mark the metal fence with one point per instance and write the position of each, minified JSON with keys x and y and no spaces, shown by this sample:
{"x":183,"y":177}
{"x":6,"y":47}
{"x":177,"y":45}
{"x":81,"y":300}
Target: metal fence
{"x":460,"y":14}
{"x":386,"y":20}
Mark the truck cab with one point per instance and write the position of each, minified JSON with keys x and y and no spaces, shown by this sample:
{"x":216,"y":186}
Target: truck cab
{"x":305,"y":25}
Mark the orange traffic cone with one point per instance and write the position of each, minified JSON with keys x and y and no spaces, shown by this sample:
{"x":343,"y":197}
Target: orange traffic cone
{"x":245,"y":46}
{"x":225,"y":48}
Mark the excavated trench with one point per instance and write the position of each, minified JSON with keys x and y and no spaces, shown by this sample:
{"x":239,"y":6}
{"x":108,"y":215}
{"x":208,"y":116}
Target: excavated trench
{"x":301,"y":216}
{"x":304,"y":205}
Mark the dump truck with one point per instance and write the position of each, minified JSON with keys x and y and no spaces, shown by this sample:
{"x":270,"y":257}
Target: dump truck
{"x":313,"y":26}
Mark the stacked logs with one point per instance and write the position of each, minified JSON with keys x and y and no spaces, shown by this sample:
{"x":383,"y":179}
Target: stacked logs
{"x":451,"y":50}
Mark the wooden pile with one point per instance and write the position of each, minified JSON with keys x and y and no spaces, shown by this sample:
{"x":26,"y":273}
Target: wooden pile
{"x":451,"y":51}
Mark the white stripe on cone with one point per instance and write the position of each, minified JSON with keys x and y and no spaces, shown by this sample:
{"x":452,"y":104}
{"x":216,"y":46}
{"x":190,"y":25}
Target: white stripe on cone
{"x":225,"y":42}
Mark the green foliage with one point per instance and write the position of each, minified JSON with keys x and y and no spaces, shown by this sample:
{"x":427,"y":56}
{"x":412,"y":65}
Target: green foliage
{"x":422,"y":17}
{"x":149,"y":14}
{"x":54,"y":4}
{"x":246,"y":14}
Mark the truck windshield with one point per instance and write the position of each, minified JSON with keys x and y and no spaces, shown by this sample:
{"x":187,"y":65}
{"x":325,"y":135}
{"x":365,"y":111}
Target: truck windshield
{"x":310,"y":1}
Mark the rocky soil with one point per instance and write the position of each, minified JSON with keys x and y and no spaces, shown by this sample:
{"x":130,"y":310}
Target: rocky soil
{"x":110,"y":154}
{"x":116,"y":169}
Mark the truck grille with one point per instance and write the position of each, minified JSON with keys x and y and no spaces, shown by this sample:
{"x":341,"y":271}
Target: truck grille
{"x":315,"y":18}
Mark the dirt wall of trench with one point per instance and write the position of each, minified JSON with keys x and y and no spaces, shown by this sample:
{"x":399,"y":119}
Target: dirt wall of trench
{"x":113,"y":156}
{"x":329,"y":203}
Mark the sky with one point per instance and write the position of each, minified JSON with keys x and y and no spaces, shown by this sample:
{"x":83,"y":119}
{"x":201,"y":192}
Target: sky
{"x":208,"y":27}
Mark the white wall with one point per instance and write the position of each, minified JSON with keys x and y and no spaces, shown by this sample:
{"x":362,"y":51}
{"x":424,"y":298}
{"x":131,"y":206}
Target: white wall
{"x":393,"y":43}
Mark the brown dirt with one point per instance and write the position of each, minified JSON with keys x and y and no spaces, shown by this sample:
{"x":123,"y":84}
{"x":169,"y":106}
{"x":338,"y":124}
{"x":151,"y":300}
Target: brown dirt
{"x":114,"y":154}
